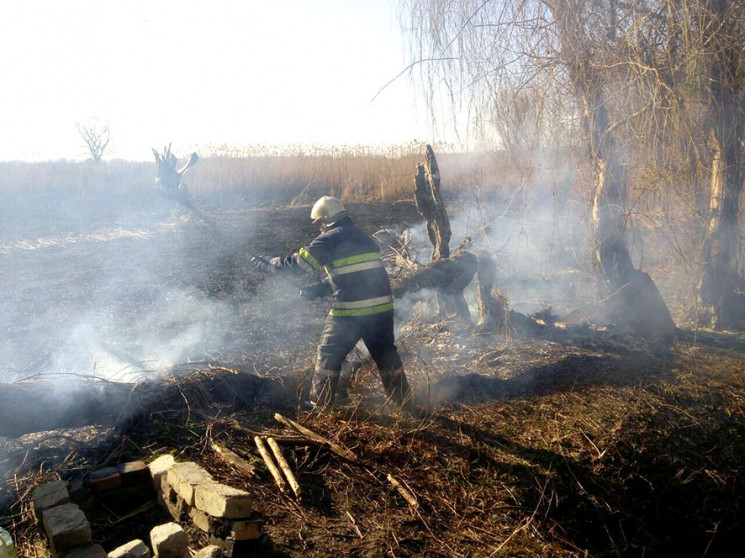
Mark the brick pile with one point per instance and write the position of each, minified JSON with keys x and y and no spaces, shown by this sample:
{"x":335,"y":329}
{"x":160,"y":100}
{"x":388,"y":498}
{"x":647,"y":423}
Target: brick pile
{"x":185,"y":490}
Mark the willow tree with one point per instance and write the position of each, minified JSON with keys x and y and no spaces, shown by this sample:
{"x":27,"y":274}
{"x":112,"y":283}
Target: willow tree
{"x":483,"y":49}
{"x":688,"y":66}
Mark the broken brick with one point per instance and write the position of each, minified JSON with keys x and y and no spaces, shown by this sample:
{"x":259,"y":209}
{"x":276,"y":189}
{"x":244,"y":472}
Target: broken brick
{"x":176,"y":507}
{"x":234,"y":549}
{"x":212,"y":551}
{"x":103,"y":480}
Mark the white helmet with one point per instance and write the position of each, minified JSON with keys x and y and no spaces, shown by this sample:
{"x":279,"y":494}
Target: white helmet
{"x":327,"y":211}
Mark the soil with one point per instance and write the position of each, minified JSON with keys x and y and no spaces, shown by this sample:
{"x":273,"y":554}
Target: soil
{"x":576,"y":440}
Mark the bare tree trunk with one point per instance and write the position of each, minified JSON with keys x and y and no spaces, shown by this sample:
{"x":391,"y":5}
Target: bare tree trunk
{"x":719,"y":279}
{"x":720,"y":282}
{"x":632,"y":297}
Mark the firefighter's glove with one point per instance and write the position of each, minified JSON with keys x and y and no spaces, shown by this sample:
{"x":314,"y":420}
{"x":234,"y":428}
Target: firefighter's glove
{"x":261,"y":263}
{"x":312,"y":292}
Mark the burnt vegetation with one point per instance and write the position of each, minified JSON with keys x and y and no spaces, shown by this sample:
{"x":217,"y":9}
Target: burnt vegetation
{"x":554,"y":432}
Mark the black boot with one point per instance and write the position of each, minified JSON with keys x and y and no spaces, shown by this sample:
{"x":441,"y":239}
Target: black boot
{"x":324,"y":390}
{"x":397,"y":387}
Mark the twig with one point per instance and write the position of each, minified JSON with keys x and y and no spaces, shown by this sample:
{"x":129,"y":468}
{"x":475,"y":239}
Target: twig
{"x":277,"y":451}
{"x":270,"y":464}
{"x":336,"y":448}
{"x":408,"y":496}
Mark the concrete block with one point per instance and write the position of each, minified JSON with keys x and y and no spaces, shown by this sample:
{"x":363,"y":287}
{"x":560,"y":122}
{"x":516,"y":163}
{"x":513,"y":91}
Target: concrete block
{"x":212,"y":551}
{"x":134,"y":473}
{"x":66,"y":527}
{"x":89,"y":551}
{"x":159,"y":468}
{"x":133,"y":549}
{"x":48,"y":495}
{"x":103,"y":480}
{"x":219,"y":500}
{"x":185,"y":477}
{"x":169,"y":541}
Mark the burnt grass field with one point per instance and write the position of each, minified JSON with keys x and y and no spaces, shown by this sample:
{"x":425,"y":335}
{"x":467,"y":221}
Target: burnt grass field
{"x":575,"y":441}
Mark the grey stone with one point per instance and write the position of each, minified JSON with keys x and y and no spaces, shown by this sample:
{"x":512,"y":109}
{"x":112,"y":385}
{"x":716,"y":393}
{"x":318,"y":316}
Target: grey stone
{"x":48,"y":495}
{"x":66,"y":527}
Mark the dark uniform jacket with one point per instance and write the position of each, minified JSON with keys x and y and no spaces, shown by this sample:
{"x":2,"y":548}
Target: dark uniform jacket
{"x":351,"y":260}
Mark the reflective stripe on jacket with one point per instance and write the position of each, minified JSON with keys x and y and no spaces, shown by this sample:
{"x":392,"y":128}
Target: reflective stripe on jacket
{"x":351,"y":260}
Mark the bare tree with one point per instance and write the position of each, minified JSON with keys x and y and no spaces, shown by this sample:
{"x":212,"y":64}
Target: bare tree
{"x":96,"y":136}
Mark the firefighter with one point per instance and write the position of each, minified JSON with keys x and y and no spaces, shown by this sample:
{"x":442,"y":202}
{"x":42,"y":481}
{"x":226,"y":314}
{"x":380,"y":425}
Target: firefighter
{"x":363,"y":302}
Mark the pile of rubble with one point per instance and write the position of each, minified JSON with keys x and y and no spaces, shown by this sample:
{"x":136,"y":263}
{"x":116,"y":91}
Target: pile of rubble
{"x":187,"y":491}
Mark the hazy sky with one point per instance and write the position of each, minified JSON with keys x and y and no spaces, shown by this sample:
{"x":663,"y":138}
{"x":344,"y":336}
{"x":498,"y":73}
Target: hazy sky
{"x":196,"y":73}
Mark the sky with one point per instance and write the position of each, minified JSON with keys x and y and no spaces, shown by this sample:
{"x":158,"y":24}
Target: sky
{"x":197,"y":73}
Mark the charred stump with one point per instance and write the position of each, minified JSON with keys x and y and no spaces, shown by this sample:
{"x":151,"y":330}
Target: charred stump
{"x":431,"y":207}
